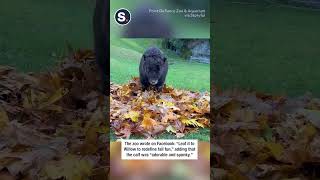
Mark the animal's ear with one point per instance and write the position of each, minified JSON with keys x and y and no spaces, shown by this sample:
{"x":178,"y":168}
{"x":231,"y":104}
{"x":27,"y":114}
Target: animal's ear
{"x":164,"y":59}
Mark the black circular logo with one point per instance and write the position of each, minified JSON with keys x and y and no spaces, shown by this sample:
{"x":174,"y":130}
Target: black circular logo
{"x":123,"y":16}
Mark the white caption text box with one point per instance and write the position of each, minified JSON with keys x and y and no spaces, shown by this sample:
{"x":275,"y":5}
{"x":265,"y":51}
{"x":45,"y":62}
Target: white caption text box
{"x":159,"y":149}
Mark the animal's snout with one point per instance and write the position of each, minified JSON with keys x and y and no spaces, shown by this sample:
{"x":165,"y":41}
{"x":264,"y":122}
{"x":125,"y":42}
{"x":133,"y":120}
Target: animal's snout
{"x":153,"y":82}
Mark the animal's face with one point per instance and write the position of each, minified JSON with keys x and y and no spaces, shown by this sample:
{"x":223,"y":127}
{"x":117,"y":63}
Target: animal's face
{"x":154,"y":68}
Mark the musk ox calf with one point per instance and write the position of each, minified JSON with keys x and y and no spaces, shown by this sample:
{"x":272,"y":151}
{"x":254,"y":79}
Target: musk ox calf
{"x":153,"y":69}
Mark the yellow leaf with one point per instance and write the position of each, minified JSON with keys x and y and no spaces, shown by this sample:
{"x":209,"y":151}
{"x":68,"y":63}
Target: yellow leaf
{"x":27,"y":101}
{"x":194,"y":108}
{"x":133,"y":115}
{"x":276,"y":149}
{"x":147,"y":122}
{"x":166,"y":103}
{"x":55,"y":80}
{"x":171,"y":129}
{"x":125,"y":91}
{"x":54,"y":98}
{"x":104,"y":130}
{"x":309,"y":130}
{"x":192,"y":122}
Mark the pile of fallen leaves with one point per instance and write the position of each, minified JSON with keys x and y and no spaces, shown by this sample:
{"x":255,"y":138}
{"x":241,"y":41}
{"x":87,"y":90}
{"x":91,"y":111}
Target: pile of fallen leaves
{"x":150,"y":113}
{"x":53,"y":125}
{"x":258,"y":136}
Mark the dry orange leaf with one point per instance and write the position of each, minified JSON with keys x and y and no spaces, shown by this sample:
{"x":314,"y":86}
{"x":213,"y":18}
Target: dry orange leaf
{"x":148,"y":123}
{"x":133,"y":115}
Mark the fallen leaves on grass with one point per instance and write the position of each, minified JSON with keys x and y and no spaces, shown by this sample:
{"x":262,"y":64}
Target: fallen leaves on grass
{"x":151,"y":113}
{"x":258,"y":136}
{"x":53,"y":125}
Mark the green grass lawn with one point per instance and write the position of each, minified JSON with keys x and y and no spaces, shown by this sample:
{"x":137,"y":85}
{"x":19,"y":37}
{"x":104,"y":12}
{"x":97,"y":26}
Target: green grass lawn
{"x":266,"y":48}
{"x":34,"y":33}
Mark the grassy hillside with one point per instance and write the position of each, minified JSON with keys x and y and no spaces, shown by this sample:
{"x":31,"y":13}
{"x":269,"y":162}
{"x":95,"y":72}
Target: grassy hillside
{"x":34,"y":32}
{"x":266,"y":47}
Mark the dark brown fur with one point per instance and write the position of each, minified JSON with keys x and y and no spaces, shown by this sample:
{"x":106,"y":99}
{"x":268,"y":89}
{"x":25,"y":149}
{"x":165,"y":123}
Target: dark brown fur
{"x":153,"y":69}
{"x":101,"y":40}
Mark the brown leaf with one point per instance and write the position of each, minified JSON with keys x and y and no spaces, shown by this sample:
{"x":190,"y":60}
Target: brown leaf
{"x":69,"y":167}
